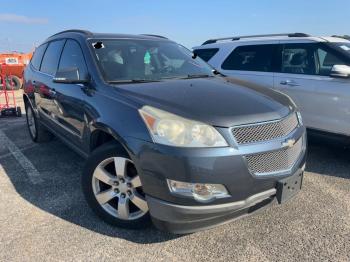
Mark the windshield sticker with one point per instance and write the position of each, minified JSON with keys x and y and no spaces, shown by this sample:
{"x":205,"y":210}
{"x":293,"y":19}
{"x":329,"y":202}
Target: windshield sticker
{"x":344,"y":47}
{"x":98,"y":45}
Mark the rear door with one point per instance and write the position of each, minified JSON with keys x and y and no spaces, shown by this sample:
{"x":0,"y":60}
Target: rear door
{"x":43,"y":84}
{"x":32,"y":75}
{"x":305,"y":76}
{"x":252,"y":63}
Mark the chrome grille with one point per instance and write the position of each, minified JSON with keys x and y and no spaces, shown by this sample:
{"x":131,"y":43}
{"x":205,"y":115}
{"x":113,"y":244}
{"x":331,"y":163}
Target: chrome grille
{"x":274,"y":161}
{"x":265,"y":131}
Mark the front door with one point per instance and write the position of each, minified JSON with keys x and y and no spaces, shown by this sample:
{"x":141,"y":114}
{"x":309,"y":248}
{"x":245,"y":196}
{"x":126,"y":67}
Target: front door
{"x":70,"y":99}
{"x":304,"y":75}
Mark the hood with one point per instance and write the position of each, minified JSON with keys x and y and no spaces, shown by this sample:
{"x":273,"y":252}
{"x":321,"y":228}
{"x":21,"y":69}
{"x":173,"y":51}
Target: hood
{"x":217,"y":101}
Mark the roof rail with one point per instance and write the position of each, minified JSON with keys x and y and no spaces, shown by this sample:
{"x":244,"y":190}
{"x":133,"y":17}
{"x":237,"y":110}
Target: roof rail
{"x":347,"y":37}
{"x":85,"y":32}
{"x":235,"y":38}
{"x":159,"y":36}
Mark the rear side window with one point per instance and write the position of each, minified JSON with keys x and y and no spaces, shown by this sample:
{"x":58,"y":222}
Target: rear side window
{"x":51,"y":57}
{"x":250,"y":58}
{"x":72,"y":57}
{"x":206,"y":54}
{"x":38,"y":56}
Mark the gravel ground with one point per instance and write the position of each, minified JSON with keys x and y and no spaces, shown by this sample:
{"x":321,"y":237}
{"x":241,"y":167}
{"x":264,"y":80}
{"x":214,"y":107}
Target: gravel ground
{"x":43,"y":216}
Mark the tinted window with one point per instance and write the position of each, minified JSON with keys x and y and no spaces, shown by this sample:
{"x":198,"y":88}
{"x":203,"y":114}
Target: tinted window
{"x":52,"y":55}
{"x":72,"y":56}
{"x":38,"y":55}
{"x":343,"y":47}
{"x":326,"y":60}
{"x":298,"y":59}
{"x":206,"y":54}
{"x":250,"y":58}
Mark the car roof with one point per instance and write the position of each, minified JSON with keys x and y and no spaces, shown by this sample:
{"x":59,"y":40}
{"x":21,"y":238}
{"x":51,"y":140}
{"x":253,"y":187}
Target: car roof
{"x":84,"y":34}
{"x":215,"y":43}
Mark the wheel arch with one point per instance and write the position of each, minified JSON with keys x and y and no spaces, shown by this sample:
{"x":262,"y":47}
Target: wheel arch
{"x":25,"y":99}
{"x":29,"y":101}
{"x":102,"y":134}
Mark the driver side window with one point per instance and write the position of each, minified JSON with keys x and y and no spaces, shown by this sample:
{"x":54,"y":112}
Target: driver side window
{"x":72,"y":57}
{"x":298,"y":59}
{"x":326,"y":61}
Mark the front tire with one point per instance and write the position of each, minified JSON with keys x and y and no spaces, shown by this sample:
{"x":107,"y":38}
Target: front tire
{"x":113,"y":189}
{"x":37,"y":131}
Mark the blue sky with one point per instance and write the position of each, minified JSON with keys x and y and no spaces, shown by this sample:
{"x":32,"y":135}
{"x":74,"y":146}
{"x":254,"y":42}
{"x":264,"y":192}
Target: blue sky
{"x":25,"y":23}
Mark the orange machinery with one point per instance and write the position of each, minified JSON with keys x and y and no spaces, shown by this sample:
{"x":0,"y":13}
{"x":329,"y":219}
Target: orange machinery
{"x":8,"y":106}
{"x":15,"y":64}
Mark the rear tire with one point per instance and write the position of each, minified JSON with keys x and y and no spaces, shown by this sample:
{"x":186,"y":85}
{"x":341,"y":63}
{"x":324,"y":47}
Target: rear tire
{"x":112,"y":188}
{"x":18,"y":111}
{"x":37,"y":131}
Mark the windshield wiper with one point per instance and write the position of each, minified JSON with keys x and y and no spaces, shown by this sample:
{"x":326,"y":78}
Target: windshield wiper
{"x":198,"y":76}
{"x":216,"y":72}
{"x":187,"y":76}
{"x":132,"y":81}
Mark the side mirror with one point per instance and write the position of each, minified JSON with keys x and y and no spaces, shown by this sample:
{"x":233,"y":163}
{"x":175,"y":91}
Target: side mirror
{"x":340,"y":71}
{"x":70,"y":75}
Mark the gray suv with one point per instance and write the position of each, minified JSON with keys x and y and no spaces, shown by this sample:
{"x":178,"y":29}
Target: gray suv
{"x":166,"y":138}
{"x":314,"y":71}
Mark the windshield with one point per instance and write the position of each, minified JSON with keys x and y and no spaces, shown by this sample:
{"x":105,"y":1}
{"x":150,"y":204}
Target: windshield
{"x":126,"y":60}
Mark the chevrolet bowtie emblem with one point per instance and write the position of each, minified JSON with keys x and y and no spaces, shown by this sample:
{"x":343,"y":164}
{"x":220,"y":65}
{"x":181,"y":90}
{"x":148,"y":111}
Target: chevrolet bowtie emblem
{"x":288,"y":143}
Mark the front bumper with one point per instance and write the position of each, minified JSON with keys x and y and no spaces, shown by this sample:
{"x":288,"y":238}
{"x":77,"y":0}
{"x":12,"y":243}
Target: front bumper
{"x":187,"y":219}
{"x":227,"y":166}
{"x":181,"y":219}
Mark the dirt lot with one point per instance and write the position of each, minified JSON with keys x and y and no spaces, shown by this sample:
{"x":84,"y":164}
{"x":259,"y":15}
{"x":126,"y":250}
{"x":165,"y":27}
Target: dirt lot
{"x":43,"y":215}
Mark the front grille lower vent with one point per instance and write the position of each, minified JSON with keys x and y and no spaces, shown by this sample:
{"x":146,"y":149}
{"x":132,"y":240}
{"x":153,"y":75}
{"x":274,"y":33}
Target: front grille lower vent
{"x":274,"y":161}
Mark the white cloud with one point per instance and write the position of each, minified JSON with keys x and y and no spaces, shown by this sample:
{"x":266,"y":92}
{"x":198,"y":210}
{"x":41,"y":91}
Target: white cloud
{"x":13,"y":18}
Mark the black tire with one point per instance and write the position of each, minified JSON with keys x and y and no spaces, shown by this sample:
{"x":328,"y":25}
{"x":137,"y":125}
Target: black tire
{"x":13,"y":82}
{"x":107,"y":150}
{"x":18,"y":111}
{"x":40,"y":134}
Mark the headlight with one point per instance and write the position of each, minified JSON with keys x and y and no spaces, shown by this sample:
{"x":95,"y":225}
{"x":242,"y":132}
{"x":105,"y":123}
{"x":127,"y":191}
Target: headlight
{"x":169,"y":129}
{"x":200,"y":192}
{"x":300,"y":119}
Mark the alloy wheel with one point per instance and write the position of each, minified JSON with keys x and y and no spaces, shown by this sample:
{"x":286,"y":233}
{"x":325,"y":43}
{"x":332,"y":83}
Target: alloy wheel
{"x":118,"y":190}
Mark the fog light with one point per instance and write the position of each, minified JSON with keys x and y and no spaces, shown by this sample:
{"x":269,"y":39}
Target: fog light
{"x":200,"y":192}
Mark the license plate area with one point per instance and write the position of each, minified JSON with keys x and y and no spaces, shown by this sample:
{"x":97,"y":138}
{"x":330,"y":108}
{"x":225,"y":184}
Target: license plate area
{"x":287,"y":188}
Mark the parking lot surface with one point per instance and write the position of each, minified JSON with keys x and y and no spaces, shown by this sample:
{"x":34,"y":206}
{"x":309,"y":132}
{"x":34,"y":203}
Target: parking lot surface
{"x":43,"y":215}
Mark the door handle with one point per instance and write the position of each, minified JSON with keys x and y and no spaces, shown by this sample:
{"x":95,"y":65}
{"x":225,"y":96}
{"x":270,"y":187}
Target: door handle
{"x":289,"y":83}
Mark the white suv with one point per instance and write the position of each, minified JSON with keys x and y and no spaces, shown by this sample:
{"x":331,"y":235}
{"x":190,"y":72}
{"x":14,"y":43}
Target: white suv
{"x":313,"y":71}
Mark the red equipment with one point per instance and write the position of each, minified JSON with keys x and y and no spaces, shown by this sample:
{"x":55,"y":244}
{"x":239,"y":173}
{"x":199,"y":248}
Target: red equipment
{"x":8,"y":105}
{"x":15,"y":64}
